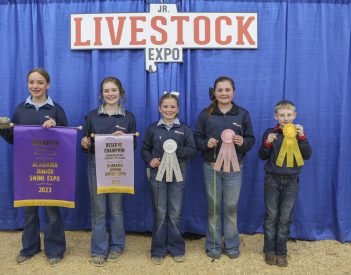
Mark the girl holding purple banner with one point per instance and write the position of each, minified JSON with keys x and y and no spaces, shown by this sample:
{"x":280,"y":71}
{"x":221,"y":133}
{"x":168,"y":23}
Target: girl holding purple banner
{"x":109,"y":118}
{"x":39,"y":109}
{"x":167,"y":144}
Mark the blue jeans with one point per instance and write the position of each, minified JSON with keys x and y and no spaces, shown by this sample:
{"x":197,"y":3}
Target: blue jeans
{"x":54,"y":234}
{"x":167,"y":200}
{"x":228,"y":185}
{"x":103,"y":241}
{"x":279,"y":195}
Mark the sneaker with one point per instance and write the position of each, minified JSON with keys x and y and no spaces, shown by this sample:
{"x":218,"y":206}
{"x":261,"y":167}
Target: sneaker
{"x":282,"y":261}
{"x":98,"y":260}
{"x":54,"y":261}
{"x":232,"y":256}
{"x":179,"y":258}
{"x":213,"y":256}
{"x":270,"y":258}
{"x":20,"y":259}
{"x":113,"y":256}
{"x":157,"y":260}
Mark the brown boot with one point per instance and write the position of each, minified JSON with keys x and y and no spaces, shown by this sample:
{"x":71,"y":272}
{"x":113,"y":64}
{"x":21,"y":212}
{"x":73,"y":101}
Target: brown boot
{"x":282,"y":261}
{"x":270,"y":258}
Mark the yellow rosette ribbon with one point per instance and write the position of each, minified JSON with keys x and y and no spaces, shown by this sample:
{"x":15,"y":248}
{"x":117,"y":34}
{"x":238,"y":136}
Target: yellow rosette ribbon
{"x":289,"y":148}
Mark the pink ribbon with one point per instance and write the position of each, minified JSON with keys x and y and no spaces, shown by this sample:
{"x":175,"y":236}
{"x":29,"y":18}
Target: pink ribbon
{"x":227,"y":154}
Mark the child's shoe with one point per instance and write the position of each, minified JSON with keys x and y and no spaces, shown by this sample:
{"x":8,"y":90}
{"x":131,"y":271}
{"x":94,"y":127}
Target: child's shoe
{"x":270,"y":258}
{"x":113,"y":256}
{"x":20,"y":259}
{"x":157,"y":260}
{"x":213,"y":255}
{"x":54,"y":261}
{"x":98,"y":261}
{"x":282,"y":261}
{"x":232,"y":256}
{"x":179,"y":258}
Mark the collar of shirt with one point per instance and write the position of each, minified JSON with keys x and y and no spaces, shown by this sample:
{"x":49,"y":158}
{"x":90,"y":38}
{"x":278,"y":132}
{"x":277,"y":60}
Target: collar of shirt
{"x":37,"y":106}
{"x":120,"y":112}
{"x":175,"y":121}
{"x":233,"y":111}
{"x":277,"y":129}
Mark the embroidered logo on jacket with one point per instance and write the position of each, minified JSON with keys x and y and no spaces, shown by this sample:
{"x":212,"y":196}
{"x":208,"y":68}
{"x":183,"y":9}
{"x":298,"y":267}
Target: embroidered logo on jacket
{"x":178,"y":132}
{"x":120,"y":127}
{"x":236,"y":124}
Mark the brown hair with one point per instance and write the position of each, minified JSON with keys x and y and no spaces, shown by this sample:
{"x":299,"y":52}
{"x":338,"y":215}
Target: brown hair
{"x":41,"y":71}
{"x":167,"y":96}
{"x":115,"y":81}
{"x":214,"y":103}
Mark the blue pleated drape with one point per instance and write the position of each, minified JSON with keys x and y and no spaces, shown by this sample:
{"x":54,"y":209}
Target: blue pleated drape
{"x":303,"y":55}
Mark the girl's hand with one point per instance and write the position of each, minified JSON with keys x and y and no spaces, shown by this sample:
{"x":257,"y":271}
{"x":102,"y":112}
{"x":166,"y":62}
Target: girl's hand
{"x":4,"y":122}
{"x":118,"y":133}
{"x":85,"y":142}
{"x":155,"y":162}
{"x":238,"y":140}
{"x":49,"y":123}
{"x":212,"y":143}
{"x":299,"y":130}
{"x":271,"y":138}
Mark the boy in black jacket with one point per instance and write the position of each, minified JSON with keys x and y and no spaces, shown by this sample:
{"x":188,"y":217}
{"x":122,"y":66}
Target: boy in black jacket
{"x":281,"y":180}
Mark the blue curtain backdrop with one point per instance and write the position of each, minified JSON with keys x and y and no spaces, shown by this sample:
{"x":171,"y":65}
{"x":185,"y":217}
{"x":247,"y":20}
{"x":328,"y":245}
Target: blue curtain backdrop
{"x":303,"y":55}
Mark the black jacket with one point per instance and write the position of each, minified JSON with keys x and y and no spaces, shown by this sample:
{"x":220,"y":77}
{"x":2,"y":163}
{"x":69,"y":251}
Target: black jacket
{"x":27,"y":114}
{"x":212,"y":125}
{"x":99,"y":123}
{"x":270,"y":153}
{"x":155,"y":136}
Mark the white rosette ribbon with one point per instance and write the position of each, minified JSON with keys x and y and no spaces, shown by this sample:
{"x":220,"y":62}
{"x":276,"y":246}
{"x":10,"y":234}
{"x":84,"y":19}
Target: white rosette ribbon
{"x":169,"y":163}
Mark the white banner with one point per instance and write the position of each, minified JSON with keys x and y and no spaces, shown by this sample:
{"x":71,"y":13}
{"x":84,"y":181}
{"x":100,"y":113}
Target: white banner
{"x":114,"y":164}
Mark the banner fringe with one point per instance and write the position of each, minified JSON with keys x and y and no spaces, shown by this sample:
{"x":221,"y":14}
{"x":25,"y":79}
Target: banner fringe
{"x":116,"y":189}
{"x":21,"y":203}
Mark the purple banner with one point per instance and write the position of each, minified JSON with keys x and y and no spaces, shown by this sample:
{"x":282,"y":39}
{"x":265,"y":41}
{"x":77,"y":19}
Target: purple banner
{"x":44,"y":166}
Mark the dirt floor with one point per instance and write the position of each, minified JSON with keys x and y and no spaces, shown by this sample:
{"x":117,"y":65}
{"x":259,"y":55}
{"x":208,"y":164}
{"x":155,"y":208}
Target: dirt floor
{"x":322,"y":257}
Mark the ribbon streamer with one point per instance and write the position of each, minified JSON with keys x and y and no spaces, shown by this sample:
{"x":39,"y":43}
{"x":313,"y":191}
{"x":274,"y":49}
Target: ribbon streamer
{"x":289,"y":148}
{"x":169,"y":163}
{"x":227,"y":154}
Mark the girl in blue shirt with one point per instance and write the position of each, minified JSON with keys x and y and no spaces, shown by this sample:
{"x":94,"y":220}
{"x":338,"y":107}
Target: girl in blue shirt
{"x":167,"y":197}
{"x":223,"y":187}
{"x":40,"y":109}
{"x":109,"y":118}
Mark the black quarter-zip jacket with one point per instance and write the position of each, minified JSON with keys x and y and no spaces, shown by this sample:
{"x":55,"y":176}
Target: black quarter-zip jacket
{"x":104,"y":124}
{"x":27,"y":114}
{"x":212,"y":125}
{"x":270,"y":152}
{"x":156,"y":135}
